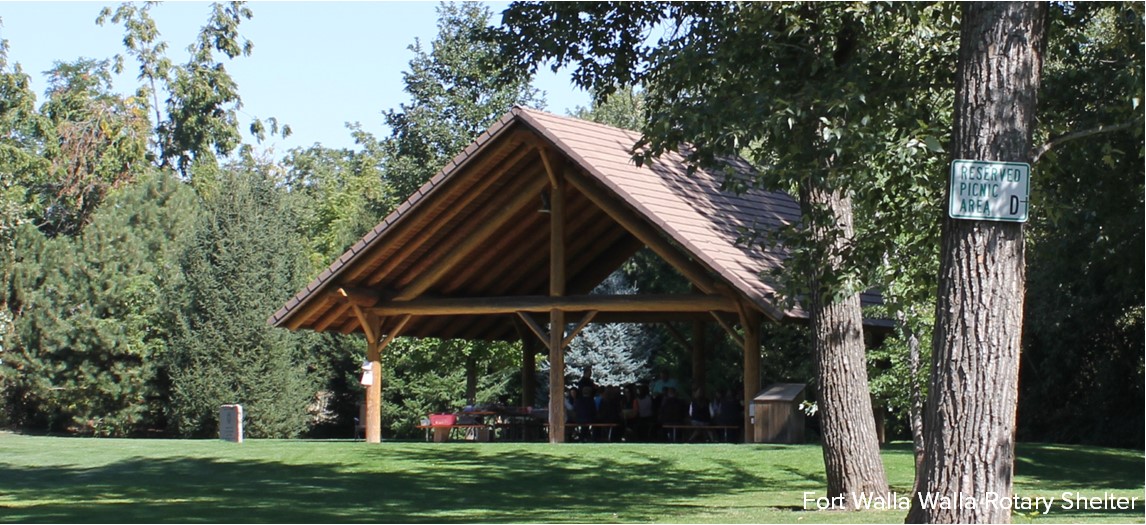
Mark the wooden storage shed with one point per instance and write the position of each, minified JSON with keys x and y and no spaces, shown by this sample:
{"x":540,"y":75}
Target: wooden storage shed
{"x":777,"y":414}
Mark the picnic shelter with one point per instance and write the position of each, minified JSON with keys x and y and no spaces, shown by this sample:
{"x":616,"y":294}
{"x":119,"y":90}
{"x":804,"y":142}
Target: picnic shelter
{"x":508,"y":240}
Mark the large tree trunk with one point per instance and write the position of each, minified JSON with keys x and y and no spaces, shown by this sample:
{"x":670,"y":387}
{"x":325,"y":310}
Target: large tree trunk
{"x":975,"y":359}
{"x":850,"y":443}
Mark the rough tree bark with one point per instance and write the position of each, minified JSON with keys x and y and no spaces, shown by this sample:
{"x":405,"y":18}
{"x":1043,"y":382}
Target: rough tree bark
{"x":974,"y":380}
{"x":850,"y":444}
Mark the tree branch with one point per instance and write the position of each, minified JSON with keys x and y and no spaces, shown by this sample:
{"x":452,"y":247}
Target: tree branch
{"x":1059,"y":140}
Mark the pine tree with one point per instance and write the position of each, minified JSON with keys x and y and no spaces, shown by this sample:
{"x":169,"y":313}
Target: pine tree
{"x":619,"y":353}
{"x":91,"y":321}
{"x":242,"y":262}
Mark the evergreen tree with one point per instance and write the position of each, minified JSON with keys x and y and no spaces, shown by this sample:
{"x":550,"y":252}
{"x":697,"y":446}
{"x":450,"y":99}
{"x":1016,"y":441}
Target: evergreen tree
{"x":242,"y":262}
{"x":458,"y":89}
{"x":91,"y":319}
{"x":620,"y":354}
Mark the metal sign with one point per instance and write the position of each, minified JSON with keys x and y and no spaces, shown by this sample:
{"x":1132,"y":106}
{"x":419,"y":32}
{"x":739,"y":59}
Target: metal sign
{"x":989,"y":191}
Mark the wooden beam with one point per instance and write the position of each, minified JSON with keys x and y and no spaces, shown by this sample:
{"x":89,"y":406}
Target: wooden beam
{"x":543,"y":152}
{"x":528,"y":364}
{"x":365,"y":321}
{"x":395,"y":332}
{"x":693,"y":271}
{"x":331,"y":316}
{"x":537,"y":330}
{"x":676,"y":335}
{"x":556,"y":377}
{"x":458,"y":252}
{"x":580,"y":326}
{"x":645,"y":303}
{"x":592,"y":272}
{"x":729,"y":329}
{"x":358,"y":296}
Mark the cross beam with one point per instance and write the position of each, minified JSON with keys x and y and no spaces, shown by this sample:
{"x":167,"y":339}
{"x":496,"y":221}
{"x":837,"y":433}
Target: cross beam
{"x":646,"y":303}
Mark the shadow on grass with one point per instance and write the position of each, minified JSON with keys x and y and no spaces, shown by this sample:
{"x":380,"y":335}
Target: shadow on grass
{"x":1077,"y":468}
{"x":435,"y":484}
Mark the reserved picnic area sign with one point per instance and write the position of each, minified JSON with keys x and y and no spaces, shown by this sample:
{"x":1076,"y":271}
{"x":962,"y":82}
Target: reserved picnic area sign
{"x":989,"y":191}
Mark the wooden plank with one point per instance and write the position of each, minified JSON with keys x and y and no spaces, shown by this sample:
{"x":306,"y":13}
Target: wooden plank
{"x":523,"y":263}
{"x":645,"y":303}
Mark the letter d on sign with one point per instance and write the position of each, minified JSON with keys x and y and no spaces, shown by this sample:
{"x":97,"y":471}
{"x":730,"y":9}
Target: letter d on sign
{"x":1014,"y":204}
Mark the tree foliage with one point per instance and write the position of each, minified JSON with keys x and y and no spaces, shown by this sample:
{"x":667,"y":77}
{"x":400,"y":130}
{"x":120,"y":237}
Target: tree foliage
{"x":458,"y":88}
{"x":1082,"y":373}
{"x":91,"y":318}
{"x":242,"y":257}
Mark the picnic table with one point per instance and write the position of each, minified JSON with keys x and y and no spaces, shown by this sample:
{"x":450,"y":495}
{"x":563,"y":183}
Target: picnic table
{"x":509,"y":424}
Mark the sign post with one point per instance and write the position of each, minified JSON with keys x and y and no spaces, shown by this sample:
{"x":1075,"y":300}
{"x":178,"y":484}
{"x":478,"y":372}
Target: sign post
{"x":989,"y":191}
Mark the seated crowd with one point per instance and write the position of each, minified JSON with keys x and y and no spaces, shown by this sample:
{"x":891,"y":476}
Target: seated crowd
{"x":645,"y":413}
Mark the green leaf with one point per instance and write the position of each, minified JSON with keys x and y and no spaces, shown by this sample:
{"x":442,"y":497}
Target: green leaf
{"x":933,"y":144}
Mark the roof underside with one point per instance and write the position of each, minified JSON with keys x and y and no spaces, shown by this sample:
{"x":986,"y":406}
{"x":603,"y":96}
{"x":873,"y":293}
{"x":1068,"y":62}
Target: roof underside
{"x":475,"y":231}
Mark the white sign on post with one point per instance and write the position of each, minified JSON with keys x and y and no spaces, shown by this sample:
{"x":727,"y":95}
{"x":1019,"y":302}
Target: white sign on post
{"x":989,"y":191}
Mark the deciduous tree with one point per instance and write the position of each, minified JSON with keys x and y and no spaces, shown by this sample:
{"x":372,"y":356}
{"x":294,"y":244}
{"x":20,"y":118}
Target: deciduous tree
{"x":814,"y":95}
{"x":973,"y":391}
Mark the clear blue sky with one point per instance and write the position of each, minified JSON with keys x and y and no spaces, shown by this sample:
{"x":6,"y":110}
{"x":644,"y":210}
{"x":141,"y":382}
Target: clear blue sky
{"x":315,"y":65}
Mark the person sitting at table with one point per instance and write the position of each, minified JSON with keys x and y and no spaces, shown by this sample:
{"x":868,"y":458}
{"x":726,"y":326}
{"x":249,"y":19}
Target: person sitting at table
{"x":674,"y":411}
{"x":699,"y":413}
{"x":570,"y":403}
{"x":645,"y":414}
{"x":662,"y":383}
{"x":731,"y":412}
{"x":609,"y":412}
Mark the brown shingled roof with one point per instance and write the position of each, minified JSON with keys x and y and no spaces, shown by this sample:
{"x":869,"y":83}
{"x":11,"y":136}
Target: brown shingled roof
{"x":492,"y":190}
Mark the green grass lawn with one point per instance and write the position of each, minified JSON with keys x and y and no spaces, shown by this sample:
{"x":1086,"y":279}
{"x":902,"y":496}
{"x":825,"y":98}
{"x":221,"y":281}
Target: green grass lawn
{"x":57,"y":479}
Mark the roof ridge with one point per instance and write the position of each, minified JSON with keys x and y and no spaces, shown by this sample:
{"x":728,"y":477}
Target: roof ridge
{"x":575,"y":119}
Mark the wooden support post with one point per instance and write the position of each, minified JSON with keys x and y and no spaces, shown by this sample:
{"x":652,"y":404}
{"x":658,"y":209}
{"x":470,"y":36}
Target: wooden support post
{"x":699,"y":370}
{"x":471,"y":379}
{"x":373,"y":421}
{"x":374,"y":348}
{"x":528,"y":370}
{"x":556,"y":377}
{"x":556,"y":316}
{"x":750,"y":319}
